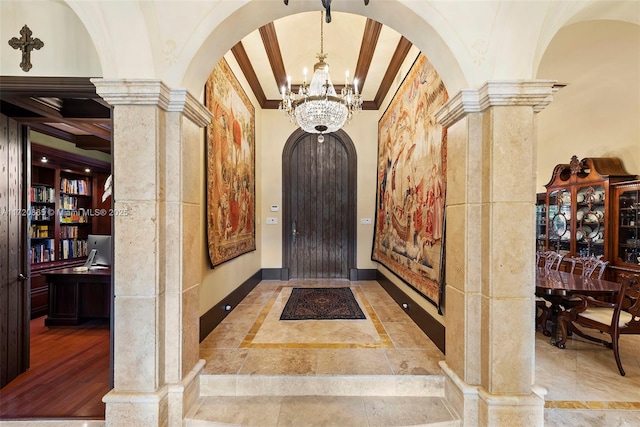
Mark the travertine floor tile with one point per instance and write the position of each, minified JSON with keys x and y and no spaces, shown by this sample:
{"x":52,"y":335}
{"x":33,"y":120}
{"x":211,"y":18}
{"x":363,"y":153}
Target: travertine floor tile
{"x":356,"y":361}
{"x":280,"y":361}
{"x":322,"y":411}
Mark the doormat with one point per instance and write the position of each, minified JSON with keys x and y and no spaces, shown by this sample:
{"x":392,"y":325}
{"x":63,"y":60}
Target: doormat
{"x":321,"y":304}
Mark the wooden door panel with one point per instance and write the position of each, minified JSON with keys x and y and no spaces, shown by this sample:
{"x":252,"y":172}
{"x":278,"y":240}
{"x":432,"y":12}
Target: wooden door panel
{"x":14,"y":331}
{"x":319,"y":201}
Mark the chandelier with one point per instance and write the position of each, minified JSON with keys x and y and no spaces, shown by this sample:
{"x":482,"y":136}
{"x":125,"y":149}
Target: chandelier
{"x":317,"y":107}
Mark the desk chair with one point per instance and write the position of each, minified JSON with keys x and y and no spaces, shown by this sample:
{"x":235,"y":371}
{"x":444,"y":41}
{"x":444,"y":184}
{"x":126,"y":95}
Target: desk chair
{"x":620,"y":317}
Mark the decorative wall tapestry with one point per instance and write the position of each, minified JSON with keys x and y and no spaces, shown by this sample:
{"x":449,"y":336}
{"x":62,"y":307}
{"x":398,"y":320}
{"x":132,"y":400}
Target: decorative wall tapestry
{"x":412,"y":170}
{"x":230,"y":167}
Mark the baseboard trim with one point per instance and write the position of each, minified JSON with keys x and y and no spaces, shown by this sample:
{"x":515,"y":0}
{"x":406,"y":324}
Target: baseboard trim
{"x":217,"y":313}
{"x":429,"y":325}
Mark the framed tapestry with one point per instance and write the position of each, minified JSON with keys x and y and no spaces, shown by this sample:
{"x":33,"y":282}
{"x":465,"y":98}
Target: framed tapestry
{"x":411,"y":184}
{"x":230,"y":162}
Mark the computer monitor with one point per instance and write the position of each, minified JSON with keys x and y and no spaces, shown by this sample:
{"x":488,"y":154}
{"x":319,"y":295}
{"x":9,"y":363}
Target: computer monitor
{"x":99,"y":248}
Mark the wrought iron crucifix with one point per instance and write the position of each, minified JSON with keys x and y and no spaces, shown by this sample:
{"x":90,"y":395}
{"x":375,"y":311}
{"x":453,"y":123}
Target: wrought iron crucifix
{"x":26,"y":44}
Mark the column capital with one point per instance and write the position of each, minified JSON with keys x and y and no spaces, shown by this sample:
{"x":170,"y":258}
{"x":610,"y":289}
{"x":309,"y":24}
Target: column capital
{"x":534,"y":93}
{"x":152,"y":92}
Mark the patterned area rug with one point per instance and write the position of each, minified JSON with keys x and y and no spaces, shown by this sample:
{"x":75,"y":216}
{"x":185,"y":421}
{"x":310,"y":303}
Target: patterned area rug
{"x":321,"y":304}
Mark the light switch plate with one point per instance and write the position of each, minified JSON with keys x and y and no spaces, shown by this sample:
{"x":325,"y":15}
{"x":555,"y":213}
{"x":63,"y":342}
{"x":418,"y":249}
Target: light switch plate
{"x":365,"y":220}
{"x":275,"y":208}
{"x":271,"y":220}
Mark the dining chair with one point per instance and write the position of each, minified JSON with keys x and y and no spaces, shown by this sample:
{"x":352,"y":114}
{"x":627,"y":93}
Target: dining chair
{"x":551,"y":261}
{"x":615,"y":319}
{"x":591,"y":265}
{"x":588,"y":267}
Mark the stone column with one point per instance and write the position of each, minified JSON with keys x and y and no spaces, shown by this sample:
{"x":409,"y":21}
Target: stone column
{"x":490,"y":252}
{"x":157,"y":187}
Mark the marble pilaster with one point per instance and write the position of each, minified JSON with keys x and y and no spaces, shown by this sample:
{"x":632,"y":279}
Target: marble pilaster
{"x":490,"y":257}
{"x":156,"y":138}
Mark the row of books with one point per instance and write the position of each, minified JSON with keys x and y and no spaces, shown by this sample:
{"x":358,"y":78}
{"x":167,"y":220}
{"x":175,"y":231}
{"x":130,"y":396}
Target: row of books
{"x":69,"y":202}
{"x":73,"y":248}
{"x":41,"y":213}
{"x":70,"y":232}
{"x":73,"y":217}
{"x":42,"y":252}
{"x":41,"y":194}
{"x":75,"y":186}
{"x":39,"y":231}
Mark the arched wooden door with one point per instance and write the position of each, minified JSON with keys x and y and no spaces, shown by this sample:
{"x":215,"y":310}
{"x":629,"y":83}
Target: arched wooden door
{"x":319,"y":212}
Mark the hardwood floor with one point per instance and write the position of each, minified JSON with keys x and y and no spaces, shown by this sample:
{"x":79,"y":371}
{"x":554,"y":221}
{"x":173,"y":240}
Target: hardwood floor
{"x":68,"y":377}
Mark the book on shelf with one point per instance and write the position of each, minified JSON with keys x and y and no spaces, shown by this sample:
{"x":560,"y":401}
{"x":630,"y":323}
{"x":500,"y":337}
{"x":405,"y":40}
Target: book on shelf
{"x":73,"y":248}
{"x":42,"y":194}
{"x":39,"y":231}
{"x":43,"y":251}
{"x":75,"y":186}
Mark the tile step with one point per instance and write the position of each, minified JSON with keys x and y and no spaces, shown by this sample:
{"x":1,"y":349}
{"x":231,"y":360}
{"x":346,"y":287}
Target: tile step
{"x":322,"y":385}
{"x":309,"y":411}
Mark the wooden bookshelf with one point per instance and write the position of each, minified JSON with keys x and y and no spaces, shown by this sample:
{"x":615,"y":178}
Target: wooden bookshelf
{"x":65,"y":207}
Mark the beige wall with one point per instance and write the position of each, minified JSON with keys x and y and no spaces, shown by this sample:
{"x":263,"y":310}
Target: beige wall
{"x":65,"y":53}
{"x":598,"y":113}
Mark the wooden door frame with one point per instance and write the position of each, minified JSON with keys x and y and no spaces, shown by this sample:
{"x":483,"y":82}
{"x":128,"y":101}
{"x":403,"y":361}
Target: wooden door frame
{"x":352,"y":186}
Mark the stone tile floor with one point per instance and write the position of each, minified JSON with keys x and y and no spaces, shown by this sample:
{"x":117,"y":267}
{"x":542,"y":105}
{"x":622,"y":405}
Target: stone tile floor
{"x":583,"y":383}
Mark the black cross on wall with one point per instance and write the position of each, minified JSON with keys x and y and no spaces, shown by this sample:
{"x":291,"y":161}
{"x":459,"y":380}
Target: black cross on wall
{"x":26,"y":44}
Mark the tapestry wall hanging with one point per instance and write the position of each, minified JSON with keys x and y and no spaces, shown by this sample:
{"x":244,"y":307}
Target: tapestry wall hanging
{"x":230,"y":167}
{"x":412,"y":170}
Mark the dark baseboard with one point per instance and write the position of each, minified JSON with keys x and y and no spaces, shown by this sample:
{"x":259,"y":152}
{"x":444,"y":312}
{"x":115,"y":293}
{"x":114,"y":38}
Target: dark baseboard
{"x":364,"y":274}
{"x":217,"y":313}
{"x":430,"y":326}
{"x":275,"y":274}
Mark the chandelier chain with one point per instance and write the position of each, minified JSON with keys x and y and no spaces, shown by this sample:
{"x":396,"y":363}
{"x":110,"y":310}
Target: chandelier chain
{"x":321,"y":32}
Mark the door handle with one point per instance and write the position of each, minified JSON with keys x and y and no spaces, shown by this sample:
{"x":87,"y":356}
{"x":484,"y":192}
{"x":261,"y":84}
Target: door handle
{"x":22,"y":277}
{"x":294,"y":231}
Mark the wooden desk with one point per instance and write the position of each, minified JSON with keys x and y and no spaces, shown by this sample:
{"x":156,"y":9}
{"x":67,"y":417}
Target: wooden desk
{"x":555,"y":286}
{"x":76,"y":295}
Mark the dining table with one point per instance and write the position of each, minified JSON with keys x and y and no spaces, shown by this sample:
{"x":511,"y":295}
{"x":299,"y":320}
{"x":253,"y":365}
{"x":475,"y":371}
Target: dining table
{"x":558,"y":286}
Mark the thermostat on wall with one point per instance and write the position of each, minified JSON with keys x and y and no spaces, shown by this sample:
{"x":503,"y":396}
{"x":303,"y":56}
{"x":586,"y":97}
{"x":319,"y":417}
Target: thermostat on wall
{"x":275,"y":208}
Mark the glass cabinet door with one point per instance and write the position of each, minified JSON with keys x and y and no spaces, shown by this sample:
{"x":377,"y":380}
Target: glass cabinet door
{"x":559,"y":224}
{"x":590,"y":224}
{"x":629,"y":227}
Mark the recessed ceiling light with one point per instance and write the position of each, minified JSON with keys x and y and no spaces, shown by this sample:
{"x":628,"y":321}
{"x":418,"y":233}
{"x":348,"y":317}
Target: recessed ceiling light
{"x":44,"y":159}
{"x":87,"y":170}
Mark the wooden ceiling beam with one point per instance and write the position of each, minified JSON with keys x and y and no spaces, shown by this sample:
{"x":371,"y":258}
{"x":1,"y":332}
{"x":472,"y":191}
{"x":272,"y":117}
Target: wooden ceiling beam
{"x":367,"y":48}
{"x":84,"y":108}
{"x":35,"y":106}
{"x":401,"y":52}
{"x":249,"y":73}
{"x":272,"y":47}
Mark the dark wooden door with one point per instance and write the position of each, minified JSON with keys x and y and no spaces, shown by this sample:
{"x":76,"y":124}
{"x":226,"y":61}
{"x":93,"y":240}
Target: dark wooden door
{"x":319,"y":206}
{"x":14,"y":285}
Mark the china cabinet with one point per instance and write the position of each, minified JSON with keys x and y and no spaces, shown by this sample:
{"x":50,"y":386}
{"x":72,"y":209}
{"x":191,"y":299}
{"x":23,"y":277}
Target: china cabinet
{"x":578,"y":206}
{"x":541,"y":221}
{"x":626,"y":227}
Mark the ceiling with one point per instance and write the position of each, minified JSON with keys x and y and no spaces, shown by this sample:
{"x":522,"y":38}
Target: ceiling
{"x":69,"y":109}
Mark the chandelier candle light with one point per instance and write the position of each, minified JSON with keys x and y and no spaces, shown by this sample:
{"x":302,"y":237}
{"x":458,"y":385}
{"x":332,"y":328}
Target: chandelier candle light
{"x":316,"y":107}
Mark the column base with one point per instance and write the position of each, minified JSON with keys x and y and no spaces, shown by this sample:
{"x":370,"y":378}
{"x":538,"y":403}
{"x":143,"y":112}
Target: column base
{"x":136,"y":408}
{"x":183,"y":396}
{"x":475,"y":407}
